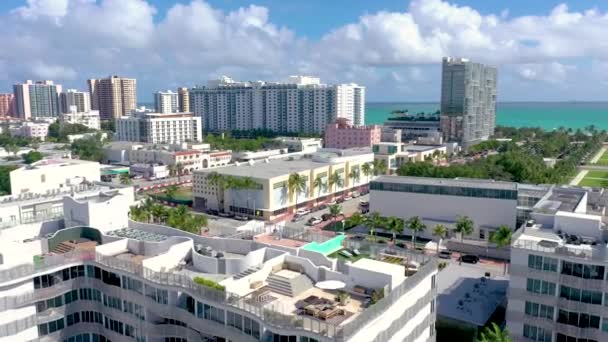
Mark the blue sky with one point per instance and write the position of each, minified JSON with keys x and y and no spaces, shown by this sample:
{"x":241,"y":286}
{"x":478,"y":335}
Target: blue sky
{"x":545,"y":50}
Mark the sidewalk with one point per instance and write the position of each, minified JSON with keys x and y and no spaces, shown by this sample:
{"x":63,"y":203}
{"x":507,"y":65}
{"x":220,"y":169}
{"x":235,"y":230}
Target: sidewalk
{"x":579,"y":177}
{"x":597,"y":156}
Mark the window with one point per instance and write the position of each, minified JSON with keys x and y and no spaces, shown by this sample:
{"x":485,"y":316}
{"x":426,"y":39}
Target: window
{"x":581,"y":320}
{"x":540,"y":286}
{"x":542,"y":263}
{"x":566,"y":338}
{"x":583,"y":296}
{"x":209,"y":312}
{"x":536,"y":334}
{"x":234,"y":320}
{"x":539,"y":310}
{"x":583,"y":271}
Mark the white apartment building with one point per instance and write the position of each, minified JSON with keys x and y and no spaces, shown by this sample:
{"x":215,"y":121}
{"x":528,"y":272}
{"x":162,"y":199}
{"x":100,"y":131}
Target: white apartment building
{"x":47,"y":175}
{"x":88,"y":118}
{"x":558,"y":288}
{"x":35,"y":209}
{"x":166,"y":102}
{"x":28,"y":129}
{"x":72,"y":97}
{"x":271,"y":199}
{"x":301,"y":104}
{"x":139,"y":283}
{"x":158,"y":128}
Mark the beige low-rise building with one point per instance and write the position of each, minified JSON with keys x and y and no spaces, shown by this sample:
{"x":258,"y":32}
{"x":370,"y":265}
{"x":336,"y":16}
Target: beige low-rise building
{"x":269,"y":196}
{"x":191,"y":157}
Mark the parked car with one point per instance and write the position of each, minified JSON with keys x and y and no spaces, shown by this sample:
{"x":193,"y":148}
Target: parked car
{"x":314,"y":221}
{"x":445,"y":254}
{"x":356,"y":194}
{"x":297,"y":218}
{"x":332,"y":202}
{"x":357,"y":237}
{"x":469,"y":259}
{"x":225,"y":214}
{"x":400,"y":245}
{"x":340,"y":200}
{"x":241,"y":218}
{"x":326,"y":217}
{"x":347,"y":198}
{"x":302,"y":211}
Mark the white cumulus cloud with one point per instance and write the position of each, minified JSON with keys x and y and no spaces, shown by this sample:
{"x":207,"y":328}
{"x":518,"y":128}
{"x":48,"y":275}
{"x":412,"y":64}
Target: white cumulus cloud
{"x":72,"y":40}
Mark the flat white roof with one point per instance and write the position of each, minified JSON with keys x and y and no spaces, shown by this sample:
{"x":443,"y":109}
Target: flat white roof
{"x":378,"y":266}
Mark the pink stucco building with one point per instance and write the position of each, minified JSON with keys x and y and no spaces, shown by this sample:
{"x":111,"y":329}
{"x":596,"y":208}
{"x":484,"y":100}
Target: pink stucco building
{"x":340,"y":134}
{"x":7,"y":105}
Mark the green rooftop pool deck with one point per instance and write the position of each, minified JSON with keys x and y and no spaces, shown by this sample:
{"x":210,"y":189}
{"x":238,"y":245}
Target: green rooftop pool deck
{"x":326,"y":248}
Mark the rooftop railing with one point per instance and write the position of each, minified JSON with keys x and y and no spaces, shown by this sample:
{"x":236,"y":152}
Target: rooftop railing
{"x":598,"y":252}
{"x":276,"y":315}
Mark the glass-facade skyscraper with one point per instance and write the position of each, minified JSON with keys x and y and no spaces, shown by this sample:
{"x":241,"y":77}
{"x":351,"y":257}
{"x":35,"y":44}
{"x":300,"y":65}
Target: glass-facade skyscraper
{"x":37,"y":100}
{"x":468,"y":101}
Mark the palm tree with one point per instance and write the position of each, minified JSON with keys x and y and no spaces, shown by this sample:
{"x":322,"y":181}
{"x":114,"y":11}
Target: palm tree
{"x":318,"y":184}
{"x":138,"y":214}
{"x":395,"y":226}
{"x":232,"y":183}
{"x":464,"y":227}
{"x":159,"y":213}
{"x":193,"y":223}
{"x":247,"y":183}
{"x":355,"y":220}
{"x":172,"y":170}
{"x":416,"y":225}
{"x":125,"y":179}
{"x":177,"y":217}
{"x":374,"y":220}
{"x":502,"y":238}
{"x":367,"y":170}
{"x":441,"y":232}
{"x":335,"y":181}
{"x":355,"y":176}
{"x":296,"y":183}
{"x":216,"y":180}
{"x":11,"y":148}
{"x":379,"y":166}
{"x":494,"y":333}
{"x":335,"y":210}
{"x":179,"y":167}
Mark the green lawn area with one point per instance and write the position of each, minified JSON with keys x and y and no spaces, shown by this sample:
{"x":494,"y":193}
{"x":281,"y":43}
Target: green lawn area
{"x":594,"y":182}
{"x":597,"y":174}
{"x":595,"y":179}
{"x":184,"y":193}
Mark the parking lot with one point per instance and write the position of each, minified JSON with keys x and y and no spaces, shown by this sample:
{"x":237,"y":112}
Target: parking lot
{"x":348,"y":208}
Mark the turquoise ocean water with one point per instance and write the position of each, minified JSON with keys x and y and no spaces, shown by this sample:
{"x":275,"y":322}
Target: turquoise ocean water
{"x":547,"y":115}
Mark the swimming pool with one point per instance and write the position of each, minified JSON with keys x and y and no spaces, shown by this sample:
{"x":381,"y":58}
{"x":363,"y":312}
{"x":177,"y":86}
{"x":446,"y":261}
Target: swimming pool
{"x":327,"y":247}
